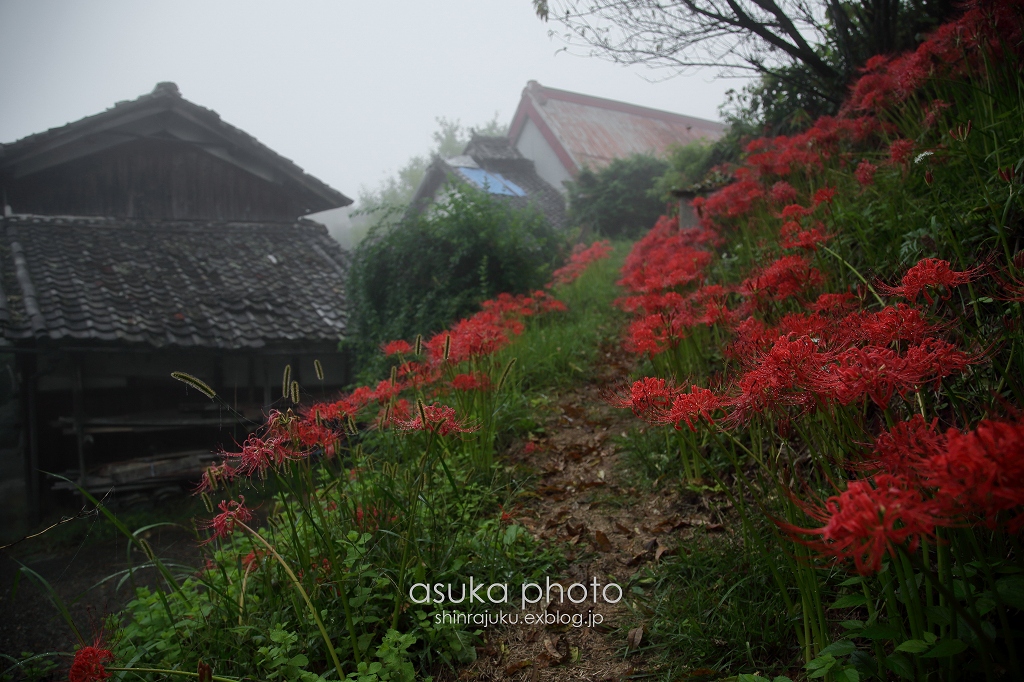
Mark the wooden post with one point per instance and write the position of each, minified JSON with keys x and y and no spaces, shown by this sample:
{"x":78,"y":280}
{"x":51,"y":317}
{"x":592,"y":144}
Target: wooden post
{"x":31,"y":431}
{"x":78,"y":417}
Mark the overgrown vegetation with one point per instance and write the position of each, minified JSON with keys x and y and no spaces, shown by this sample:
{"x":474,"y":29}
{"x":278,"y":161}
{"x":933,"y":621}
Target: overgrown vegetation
{"x":830,"y":347}
{"x":616,"y":201}
{"x":391,"y":485}
{"x":430,"y":269}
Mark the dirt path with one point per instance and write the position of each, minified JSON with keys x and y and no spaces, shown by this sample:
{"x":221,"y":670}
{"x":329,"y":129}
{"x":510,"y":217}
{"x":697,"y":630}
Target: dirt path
{"x":611,"y":531}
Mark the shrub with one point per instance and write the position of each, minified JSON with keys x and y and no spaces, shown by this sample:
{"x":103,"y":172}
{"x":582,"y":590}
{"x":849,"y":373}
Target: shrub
{"x":433,"y":268}
{"x":616,"y":201}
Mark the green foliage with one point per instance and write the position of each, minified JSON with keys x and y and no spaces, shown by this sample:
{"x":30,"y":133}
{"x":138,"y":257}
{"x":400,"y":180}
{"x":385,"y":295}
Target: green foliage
{"x":616,"y":201}
{"x":712,"y":604}
{"x":688,"y":164}
{"x":433,"y":268}
{"x":560,"y":350}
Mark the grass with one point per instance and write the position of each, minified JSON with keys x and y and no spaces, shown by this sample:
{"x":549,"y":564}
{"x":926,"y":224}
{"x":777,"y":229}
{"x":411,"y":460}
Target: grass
{"x":561,"y":350}
{"x":712,"y":604}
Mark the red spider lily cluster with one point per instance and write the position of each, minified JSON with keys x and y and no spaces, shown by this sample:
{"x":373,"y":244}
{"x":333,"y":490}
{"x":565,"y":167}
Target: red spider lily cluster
{"x":953,"y":50}
{"x":232,"y":513}
{"x":88,"y":664}
{"x":928,"y":480}
{"x":581,"y":257}
{"x":428,"y":367}
{"x":792,"y":349}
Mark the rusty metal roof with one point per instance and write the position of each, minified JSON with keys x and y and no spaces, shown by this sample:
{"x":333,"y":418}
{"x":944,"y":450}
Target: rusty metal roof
{"x":591,"y":131}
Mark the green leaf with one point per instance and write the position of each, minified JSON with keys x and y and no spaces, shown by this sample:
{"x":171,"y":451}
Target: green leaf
{"x":846,"y":675}
{"x":913,"y":646}
{"x":843,"y":647}
{"x":945,"y":648}
{"x":856,"y":580}
{"x":782,"y":678}
{"x":900,"y":664}
{"x":850,"y":600}
{"x":852,"y":624}
{"x":820,"y":665}
{"x":299,"y":661}
{"x":1011,"y":590}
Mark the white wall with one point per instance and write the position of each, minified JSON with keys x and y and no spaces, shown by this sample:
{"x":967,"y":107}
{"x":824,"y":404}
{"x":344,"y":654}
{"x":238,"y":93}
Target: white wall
{"x":532,"y":145}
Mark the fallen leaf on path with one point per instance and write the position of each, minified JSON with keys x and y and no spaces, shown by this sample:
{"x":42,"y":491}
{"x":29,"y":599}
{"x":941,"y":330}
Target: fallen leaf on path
{"x":634,"y":637}
{"x":622,"y":529}
{"x":602,"y":541}
{"x":516,"y":667}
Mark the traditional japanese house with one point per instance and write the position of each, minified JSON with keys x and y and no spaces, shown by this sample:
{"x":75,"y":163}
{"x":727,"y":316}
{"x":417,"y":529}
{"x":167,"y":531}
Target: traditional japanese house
{"x":493,"y":165}
{"x":148,"y":239}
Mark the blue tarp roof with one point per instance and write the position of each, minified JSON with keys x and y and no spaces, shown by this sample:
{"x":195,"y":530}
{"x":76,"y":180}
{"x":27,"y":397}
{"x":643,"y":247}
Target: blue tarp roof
{"x":490,"y":182}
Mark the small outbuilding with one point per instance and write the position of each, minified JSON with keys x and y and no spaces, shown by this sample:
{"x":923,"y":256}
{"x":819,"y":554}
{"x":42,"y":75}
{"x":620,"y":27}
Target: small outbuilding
{"x":148,"y":239}
{"x":493,"y":165}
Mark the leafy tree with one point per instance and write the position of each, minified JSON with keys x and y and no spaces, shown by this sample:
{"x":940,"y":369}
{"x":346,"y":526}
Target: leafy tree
{"x":431,"y":269}
{"x":616,"y":201}
{"x":687,"y":165}
{"x":811,"y":48}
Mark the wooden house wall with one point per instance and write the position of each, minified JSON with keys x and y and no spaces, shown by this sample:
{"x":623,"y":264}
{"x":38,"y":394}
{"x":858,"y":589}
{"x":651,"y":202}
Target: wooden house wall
{"x":151,"y":179}
{"x":119,"y":386}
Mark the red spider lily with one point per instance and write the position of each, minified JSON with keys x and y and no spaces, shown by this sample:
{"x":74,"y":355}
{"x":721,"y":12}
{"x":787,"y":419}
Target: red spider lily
{"x":794,"y":237}
{"x":783,"y":192}
{"x":646,"y":397}
{"x":254,"y":559}
{"x":900,"y":151}
{"x":824,"y":195}
{"x":386,"y":390}
{"x":981,"y":472}
{"x":929,"y":272}
{"x":790,"y":374}
{"x":889,"y":325}
{"x":865,"y":173}
{"x":396,"y":348}
{"x":797,"y":325}
{"x":657,"y":333}
{"x":868,"y":520}
{"x":933,"y":111}
{"x":795,"y":211}
{"x":871,"y":371}
{"x":664,"y":264}
{"x":834,"y":304}
{"x":960,"y":132}
{"x":734,"y":200}
{"x":581,"y":257}
{"x":259,"y":454}
{"x":982,"y":32}
{"x":752,"y":337}
{"x":88,"y":664}
{"x":475,"y":381}
{"x":906,"y":446}
{"x":653,"y":302}
{"x":785,"y":277}
{"x":690,"y":407}
{"x":231,"y":514}
{"x":440,"y":419}
{"x":1008,"y":174}
{"x":215,"y":476}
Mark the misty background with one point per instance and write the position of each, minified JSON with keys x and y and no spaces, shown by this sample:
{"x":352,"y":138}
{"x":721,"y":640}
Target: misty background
{"x":350,"y":91}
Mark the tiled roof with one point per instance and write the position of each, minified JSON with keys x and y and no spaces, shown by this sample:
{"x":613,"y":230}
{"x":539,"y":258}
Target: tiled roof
{"x":593,"y":131}
{"x":165,"y":114}
{"x":495,"y":155}
{"x":184,"y":284}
